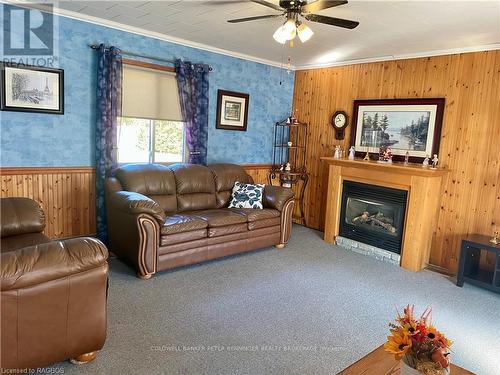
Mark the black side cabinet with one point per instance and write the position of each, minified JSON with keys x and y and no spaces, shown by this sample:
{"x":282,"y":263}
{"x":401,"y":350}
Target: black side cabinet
{"x":469,"y":267}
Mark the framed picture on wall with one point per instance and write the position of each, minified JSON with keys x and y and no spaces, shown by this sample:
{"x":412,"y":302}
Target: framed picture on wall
{"x":404,"y":125}
{"x":26,"y":88}
{"x":232,"y":110}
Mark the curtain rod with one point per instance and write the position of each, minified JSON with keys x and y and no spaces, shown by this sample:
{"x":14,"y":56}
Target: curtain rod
{"x":95,"y":46}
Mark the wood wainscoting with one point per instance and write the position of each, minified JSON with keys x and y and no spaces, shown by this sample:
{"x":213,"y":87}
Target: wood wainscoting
{"x":259,"y":172}
{"x":67,"y":195}
{"x":470,"y":196}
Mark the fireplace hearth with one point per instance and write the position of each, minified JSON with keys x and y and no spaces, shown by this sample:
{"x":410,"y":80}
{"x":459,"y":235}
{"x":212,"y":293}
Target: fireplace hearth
{"x":373,"y":215}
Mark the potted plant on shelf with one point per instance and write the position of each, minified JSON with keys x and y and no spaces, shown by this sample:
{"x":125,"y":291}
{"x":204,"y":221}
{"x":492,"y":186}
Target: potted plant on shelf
{"x":420,"y":347}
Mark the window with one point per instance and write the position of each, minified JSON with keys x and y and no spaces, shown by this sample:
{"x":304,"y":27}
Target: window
{"x":151,"y":129}
{"x":150,"y":141}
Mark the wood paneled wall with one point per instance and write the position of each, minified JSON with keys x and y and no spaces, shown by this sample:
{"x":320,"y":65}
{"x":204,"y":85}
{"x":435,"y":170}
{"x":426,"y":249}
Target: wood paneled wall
{"x":259,"y":172}
{"x":65,"y":194}
{"x":470,"y":141}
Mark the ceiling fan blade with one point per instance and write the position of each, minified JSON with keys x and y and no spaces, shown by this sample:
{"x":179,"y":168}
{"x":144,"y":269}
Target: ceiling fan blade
{"x":331,"y":21}
{"x":253,"y":18}
{"x":267,"y":4}
{"x":322,"y":4}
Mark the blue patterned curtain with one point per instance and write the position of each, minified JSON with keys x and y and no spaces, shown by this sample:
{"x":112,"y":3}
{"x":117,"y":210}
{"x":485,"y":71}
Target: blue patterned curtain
{"x":109,"y":105}
{"x":192,"y":80}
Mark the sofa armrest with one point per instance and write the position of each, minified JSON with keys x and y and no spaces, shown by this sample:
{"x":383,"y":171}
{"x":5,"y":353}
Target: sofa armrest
{"x":276,"y":197}
{"x":135,"y":203}
{"x":37,"y":264}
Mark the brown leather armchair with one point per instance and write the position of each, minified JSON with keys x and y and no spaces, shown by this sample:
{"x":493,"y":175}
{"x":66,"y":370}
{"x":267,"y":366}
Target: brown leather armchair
{"x":164,"y":217}
{"x":53,"y":293}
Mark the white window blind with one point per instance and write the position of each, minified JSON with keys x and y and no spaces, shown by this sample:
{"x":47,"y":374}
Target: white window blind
{"x":150,"y":94}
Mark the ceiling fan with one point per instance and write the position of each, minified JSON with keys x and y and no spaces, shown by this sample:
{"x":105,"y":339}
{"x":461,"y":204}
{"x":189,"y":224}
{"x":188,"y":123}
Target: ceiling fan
{"x":293,"y":10}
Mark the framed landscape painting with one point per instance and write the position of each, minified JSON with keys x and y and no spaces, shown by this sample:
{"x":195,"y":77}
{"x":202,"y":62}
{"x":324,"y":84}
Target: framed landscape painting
{"x":232,"y":110}
{"x":404,"y":125}
{"x":26,"y":88}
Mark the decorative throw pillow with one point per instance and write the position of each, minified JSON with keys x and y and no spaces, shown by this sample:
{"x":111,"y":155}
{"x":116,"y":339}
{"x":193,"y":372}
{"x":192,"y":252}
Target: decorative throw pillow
{"x":247,"y":196}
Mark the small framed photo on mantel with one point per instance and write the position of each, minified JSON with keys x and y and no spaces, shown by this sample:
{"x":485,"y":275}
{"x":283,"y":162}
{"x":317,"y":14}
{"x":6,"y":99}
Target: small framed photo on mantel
{"x":232,"y":110}
{"x":26,"y":88}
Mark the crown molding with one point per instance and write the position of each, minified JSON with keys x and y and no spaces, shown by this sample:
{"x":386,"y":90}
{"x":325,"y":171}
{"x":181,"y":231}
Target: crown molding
{"x":136,"y":30}
{"x":416,"y":55}
{"x":164,"y":37}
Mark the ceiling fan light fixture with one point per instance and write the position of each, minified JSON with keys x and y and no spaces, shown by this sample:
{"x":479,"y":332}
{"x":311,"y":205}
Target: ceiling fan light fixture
{"x":280,"y":35}
{"x":305,"y":33}
{"x":287,"y":31}
{"x":290,"y":29}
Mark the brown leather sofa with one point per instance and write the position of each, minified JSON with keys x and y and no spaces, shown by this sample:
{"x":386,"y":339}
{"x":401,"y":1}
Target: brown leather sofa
{"x":163,"y":217}
{"x":53,"y":293}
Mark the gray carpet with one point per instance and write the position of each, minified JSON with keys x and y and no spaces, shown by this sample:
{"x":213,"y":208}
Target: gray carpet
{"x":311,"y":308}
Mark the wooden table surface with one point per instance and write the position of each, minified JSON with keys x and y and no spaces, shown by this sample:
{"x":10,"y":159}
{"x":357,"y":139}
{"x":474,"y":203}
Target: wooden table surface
{"x":379,"y":362}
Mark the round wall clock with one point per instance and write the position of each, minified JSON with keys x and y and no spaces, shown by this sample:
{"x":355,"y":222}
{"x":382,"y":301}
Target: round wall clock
{"x":340,"y":120}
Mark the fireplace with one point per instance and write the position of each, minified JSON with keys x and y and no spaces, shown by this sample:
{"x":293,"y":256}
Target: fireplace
{"x":373,"y":215}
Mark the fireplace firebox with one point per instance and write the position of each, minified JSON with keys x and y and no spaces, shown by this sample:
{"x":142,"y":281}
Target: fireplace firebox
{"x":373,"y":215}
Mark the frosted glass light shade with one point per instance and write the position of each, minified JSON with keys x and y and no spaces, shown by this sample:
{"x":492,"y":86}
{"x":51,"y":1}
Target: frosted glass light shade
{"x":290,"y":29}
{"x":287,"y":31}
{"x":305,"y":33}
{"x":280,"y":35}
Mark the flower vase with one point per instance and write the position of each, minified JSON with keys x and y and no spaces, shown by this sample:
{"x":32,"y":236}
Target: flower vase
{"x":407,"y":370}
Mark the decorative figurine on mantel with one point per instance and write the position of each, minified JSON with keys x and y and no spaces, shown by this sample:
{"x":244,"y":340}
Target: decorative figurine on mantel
{"x":385,"y":154}
{"x":338,"y":152}
{"x":495,"y":239}
{"x":407,"y":157}
{"x":425,"y":163}
{"x":352,"y":152}
{"x":367,"y":156}
{"x":435,"y":161}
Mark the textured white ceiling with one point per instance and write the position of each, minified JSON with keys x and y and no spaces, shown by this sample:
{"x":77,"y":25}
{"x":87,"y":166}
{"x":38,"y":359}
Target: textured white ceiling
{"x":387,"y":28}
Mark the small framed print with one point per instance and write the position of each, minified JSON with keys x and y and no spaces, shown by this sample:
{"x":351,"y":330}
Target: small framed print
{"x":26,"y":88}
{"x":232,"y":110}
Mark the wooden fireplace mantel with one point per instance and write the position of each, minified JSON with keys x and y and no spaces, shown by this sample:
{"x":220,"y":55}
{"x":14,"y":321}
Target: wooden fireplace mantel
{"x":424,"y":189}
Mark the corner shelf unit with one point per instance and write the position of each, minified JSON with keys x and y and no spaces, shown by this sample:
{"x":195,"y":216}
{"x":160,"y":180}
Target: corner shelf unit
{"x":291,"y":130}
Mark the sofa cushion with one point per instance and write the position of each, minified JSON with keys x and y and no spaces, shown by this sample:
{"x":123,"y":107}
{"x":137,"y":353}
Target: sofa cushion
{"x":247,"y":196}
{"x":195,"y":187}
{"x":264,"y":223}
{"x":147,"y":179}
{"x":23,"y":240}
{"x":254,"y":215}
{"x":182,"y":223}
{"x":20,"y":216}
{"x":172,"y":239}
{"x":227,"y":230}
{"x":225,"y":175}
{"x":152,"y":180}
{"x":220,"y":218}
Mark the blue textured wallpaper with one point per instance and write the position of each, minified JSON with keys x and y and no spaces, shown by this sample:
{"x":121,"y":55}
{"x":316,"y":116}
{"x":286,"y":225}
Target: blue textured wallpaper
{"x":29,"y":139}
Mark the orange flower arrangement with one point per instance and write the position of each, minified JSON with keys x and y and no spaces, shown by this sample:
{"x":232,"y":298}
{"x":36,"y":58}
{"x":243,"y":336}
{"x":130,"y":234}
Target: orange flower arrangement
{"x":418,"y":343}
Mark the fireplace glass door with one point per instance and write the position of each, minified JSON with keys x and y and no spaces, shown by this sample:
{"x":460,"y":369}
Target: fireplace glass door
{"x":373,"y":215}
